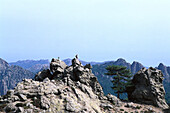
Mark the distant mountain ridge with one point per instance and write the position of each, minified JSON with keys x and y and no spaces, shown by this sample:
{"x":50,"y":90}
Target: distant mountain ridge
{"x":165,"y":70}
{"x":37,"y":65}
{"x":32,"y":65}
{"x":75,"y":89}
{"x":11,"y":75}
{"x":29,"y":63}
{"x":98,"y":69}
{"x":134,"y":67}
{"x":104,"y":80}
{"x":69,"y":62}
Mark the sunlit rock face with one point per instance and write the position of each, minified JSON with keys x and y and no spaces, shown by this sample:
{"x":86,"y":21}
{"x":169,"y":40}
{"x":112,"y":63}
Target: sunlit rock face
{"x":64,"y":89}
{"x":61,"y":89}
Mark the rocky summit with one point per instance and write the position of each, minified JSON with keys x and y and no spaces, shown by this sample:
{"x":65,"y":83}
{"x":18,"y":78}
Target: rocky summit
{"x":65,"y":89}
{"x":148,"y":88}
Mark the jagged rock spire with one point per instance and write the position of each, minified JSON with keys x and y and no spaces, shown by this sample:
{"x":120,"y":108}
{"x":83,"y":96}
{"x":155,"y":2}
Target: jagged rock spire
{"x":62,"y":89}
{"x":148,"y":88}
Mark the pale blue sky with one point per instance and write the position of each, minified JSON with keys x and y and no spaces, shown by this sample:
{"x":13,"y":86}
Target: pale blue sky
{"x":97,"y":30}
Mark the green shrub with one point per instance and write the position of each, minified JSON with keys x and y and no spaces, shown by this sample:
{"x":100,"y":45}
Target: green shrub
{"x":121,"y":109}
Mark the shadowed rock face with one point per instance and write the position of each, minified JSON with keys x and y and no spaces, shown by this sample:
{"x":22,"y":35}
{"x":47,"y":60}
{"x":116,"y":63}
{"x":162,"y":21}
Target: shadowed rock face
{"x":166,"y":72}
{"x":64,"y":89}
{"x":57,"y":66}
{"x":11,"y":75}
{"x":61,"y":89}
{"x":148,"y":88}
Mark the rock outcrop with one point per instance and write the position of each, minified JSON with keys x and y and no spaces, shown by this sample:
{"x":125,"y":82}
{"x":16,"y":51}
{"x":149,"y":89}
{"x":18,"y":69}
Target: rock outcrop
{"x":98,"y":70}
{"x":148,"y":88}
{"x":65,"y":89}
{"x":61,"y":89}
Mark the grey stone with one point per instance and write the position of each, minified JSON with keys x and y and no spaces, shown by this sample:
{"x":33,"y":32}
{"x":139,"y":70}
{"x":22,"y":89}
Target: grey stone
{"x":106,"y":105}
{"x":44,"y":102}
{"x":15,"y":98}
{"x":42,"y":75}
{"x":76,"y":62}
{"x":70,"y":107}
{"x":30,"y":105}
{"x":148,"y":88}
{"x":10,"y":108}
{"x":114,"y":100}
{"x":150,"y":109}
{"x":64,"y":89}
{"x":46,"y":79}
{"x":80,"y":68}
{"x":29,"y":111}
{"x":20,"y":110}
{"x":10,"y":92}
{"x":22,"y":97}
{"x":129,"y":105}
{"x":88,"y":66}
{"x":2,"y":101}
{"x":57,"y":66}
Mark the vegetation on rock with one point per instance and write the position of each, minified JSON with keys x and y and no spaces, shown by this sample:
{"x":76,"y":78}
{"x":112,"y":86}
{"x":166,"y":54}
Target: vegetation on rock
{"x":65,"y":89}
{"x":121,"y":78}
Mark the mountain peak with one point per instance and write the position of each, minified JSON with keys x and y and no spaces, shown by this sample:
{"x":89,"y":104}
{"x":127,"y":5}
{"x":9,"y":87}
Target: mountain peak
{"x":64,"y":88}
{"x":135,"y":62}
{"x":3,"y":64}
{"x":136,"y":66}
{"x":161,"y":65}
{"x":121,"y":60}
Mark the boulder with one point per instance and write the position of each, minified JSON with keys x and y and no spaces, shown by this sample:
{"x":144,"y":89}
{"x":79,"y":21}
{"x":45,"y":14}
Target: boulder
{"x":76,"y":62}
{"x":57,"y":66}
{"x":45,"y":103}
{"x":10,"y":108}
{"x":113,"y":99}
{"x":88,"y":66}
{"x":20,"y":110}
{"x":148,"y":88}
{"x":42,"y":75}
{"x":22,"y":97}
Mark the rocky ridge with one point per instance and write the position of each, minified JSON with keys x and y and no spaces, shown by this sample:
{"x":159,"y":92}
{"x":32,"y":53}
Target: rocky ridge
{"x":165,"y":70}
{"x":98,"y":70}
{"x":65,"y":89}
{"x":11,"y":75}
{"x":32,"y":65}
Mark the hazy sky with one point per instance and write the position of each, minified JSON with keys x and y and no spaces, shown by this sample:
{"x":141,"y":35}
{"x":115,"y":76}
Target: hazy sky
{"x":97,"y":30}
